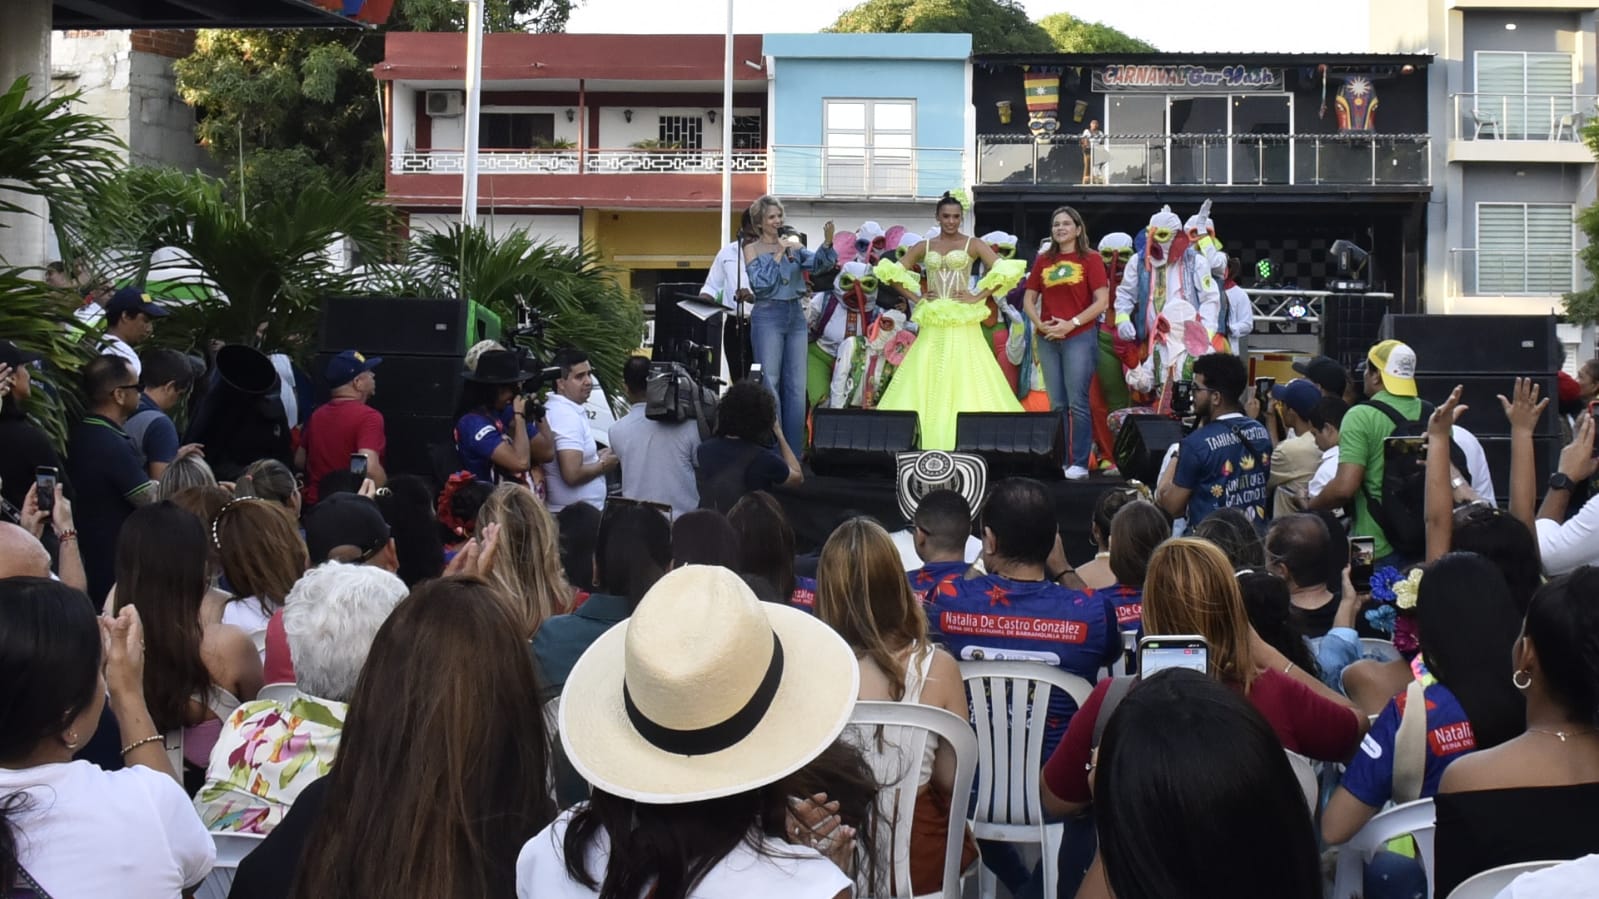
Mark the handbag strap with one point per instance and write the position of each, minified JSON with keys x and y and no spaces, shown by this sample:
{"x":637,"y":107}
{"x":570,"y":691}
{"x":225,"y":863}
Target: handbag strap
{"x":1410,"y":745}
{"x":28,"y":884}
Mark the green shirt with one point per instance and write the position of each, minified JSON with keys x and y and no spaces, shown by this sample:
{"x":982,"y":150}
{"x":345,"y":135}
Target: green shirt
{"x":1360,"y":442}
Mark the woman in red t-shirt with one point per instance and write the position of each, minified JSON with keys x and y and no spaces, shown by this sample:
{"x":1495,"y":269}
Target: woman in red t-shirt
{"x":1070,"y":279}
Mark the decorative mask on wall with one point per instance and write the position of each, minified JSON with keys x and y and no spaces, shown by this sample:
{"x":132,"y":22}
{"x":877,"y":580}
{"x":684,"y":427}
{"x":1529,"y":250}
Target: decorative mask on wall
{"x":1043,"y":103}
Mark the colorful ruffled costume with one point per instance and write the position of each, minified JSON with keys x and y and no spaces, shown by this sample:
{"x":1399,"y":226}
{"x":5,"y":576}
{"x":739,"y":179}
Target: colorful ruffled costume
{"x":951,"y":367}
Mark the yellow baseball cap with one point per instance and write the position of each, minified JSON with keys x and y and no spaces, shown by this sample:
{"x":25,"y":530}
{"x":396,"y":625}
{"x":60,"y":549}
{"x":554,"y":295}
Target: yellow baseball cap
{"x":1397,"y":363}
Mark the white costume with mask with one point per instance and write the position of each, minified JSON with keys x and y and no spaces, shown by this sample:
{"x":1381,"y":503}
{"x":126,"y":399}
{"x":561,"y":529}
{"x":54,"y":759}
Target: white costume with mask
{"x":1169,"y":301}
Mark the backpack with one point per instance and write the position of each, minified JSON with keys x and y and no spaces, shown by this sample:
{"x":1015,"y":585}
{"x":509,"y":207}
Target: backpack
{"x":1400,"y":509}
{"x":671,"y":395}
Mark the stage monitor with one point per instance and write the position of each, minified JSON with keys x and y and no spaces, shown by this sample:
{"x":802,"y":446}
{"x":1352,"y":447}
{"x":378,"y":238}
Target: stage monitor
{"x":1015,"y":444}
{"x":860,"y":442}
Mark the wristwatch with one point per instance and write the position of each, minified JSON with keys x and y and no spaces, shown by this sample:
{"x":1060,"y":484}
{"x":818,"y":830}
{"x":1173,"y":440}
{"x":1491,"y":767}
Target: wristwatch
{"x":1560,"y":481}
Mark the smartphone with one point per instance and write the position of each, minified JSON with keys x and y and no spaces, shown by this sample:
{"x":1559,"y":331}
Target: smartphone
{"x":1362,"y":556}
{"x":757,"y":373}
{"x":1414,"y":446}
{"x":1593,"y":412}
{"x":1263,"y":388}
{"x":44,"y":482}
{"x":1158,"y":653}
{"x":358,"y":465}
{"x":1182,"y":397}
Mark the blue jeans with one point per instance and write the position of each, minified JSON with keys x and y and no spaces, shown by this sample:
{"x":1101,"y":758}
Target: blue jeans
{"x":1068,"y":370}
{"x":779,"y":337}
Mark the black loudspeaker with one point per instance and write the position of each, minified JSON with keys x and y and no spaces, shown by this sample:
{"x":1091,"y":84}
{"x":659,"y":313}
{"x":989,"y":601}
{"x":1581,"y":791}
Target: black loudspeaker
{"x":674,"y":327}
{"x":1142,"y":443}
{"x":384,"y":326}
{"x":1350,"y":324}
{"x":407,"y":385}
{"x":860,"y":442}
{"x":1546,"y":461}
{"x":418,"y":444}
{"x":1015,"y":444}
{"x":1479,"y":344}
{"x":241,"y":417}
{"x":1484,"y":417}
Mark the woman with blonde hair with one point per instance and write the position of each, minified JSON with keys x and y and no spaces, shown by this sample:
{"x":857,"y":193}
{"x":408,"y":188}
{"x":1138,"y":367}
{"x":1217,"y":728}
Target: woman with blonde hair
{"x":527,"y":567}
{"x":262,"y":556}
{"x":862,"y":593}
{"x":1190,"y":589}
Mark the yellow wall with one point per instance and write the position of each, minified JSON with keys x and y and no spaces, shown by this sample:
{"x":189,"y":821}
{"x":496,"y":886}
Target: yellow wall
{"x":638,"y":239}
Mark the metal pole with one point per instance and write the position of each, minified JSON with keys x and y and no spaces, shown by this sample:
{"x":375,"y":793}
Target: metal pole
{"x":727,"y":129}
{"x":474,"y":98}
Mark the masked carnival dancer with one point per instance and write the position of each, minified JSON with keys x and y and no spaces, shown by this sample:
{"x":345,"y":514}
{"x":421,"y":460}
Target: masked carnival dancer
{"x":1168,"y":304}
{"x":951,"y":367}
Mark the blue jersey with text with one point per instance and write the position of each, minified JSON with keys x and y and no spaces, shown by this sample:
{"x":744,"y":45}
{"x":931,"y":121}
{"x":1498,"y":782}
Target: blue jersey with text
{"x":1225,"y":464}
{"x":1370,"y":776}
{"x":936,"y":576}
{"x":993,"y":617}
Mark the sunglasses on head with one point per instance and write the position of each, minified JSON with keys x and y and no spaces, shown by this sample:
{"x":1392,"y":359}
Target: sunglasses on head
{"x":848,"y":281}
{"x":1161,"y":235}
{"x":1121,"y":254}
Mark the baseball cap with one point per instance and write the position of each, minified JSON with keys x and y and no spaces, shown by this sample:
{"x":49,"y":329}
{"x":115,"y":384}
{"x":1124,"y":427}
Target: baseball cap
{"x":1299,"y":395}
{"x":1397,"y":362}
{"x":134,"y":299}
{"x":15,"y":356}
{"x":343,"y":368}
{"x":1326,"y":373}
{"x":345,"y":519}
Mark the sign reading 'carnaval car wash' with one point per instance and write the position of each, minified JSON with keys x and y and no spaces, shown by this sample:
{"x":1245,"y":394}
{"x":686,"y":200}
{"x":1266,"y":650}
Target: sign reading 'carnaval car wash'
{"x":1197,"y":79}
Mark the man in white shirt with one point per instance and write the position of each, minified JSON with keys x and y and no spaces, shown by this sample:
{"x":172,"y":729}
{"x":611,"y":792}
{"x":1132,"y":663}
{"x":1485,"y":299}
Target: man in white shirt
{"x":728,"y":283}
{"x":129,"y":321}
{"x":657,"y":457}
{"x":577,"y":475}
{"x":1565,"y":545}
{"x":1324,"y":422}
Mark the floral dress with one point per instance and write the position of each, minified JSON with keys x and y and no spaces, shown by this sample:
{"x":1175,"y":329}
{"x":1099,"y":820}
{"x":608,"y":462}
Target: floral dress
{"x":267,"y":754}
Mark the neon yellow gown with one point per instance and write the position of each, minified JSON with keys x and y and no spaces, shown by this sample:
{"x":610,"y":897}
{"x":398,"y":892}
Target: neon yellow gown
{"x":950,"y":368}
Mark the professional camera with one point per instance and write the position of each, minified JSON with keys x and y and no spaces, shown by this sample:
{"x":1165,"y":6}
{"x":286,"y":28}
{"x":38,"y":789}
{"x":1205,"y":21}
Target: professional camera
{"x":680,"y":387}
{"x":529,"y":332}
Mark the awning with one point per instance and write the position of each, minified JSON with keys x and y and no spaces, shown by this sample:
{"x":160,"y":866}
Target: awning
{"x":119,"y":14}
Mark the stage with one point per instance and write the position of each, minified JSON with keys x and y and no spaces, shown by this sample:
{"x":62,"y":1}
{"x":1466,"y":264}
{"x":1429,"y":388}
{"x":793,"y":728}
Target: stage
{"x":820,"y":504}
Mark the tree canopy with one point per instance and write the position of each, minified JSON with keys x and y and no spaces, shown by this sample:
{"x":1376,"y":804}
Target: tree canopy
{"x":996,"y":26}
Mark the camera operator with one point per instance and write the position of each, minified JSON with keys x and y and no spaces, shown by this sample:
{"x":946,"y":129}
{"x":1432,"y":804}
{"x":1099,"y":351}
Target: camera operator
{"x":657,"y":457}
{"x":493,"y":436}
{"x":1226,"y":461}
{"x":748,"y":452}
{"x":577,"y":475}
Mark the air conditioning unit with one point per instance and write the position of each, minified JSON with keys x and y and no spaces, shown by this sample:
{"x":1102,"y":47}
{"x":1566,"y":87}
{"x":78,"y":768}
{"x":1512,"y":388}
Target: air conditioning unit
{"x":444,"y":104}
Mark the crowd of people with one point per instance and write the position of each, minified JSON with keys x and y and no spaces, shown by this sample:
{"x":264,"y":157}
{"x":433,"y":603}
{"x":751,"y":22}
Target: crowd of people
{"x":600,"y":665}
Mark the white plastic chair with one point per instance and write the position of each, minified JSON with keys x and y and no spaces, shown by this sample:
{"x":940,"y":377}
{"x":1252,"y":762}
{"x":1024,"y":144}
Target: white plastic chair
{"x":1487,"y":884}
{"x":1305,"y":773}
{"x":1379,"y":649}
{"x":1123,"y":664}
{"x":231,"y":849}
{"x":898,"y":765}
{"x":1485,"y":121}
{"x":280,"y":692}
{"x":1010,"y":749}
{"x":1414,"y":818}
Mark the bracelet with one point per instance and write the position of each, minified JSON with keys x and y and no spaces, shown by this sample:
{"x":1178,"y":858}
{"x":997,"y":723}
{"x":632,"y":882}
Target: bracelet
{"x":68,"y":534}
{"x":137,"y":743}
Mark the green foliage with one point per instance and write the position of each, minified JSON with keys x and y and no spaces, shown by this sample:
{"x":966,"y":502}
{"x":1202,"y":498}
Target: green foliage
{"x":576,"y":295}
{"x":39,"y":318}
{"x":1073,"y":35}
{"x":1582,"y":307}
{"x":996,"y":26}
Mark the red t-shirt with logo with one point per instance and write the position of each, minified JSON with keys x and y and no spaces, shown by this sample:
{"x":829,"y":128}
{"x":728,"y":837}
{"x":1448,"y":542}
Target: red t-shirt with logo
{"x":1067,"y":283}
{"x":337,"y":429}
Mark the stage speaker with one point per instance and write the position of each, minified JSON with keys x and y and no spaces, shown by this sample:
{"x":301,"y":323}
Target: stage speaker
{"x":384,"y":326}
{"x":1350,"y":324}
{"x":860,"y":442}
{"x":1484,"y":417}
{"x":407,"y":385}
{"x":1546,"y":461}
{"x":1142,"y":443}
{"x":1478,"y":344}
{"x":1015,"y":444}
{"x":420,"y":445}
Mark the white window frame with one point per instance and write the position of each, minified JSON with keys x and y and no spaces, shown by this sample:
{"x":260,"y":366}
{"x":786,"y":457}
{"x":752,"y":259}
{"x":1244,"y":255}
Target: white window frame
{"x":904,"y":175}
{"x":1477,"y":262}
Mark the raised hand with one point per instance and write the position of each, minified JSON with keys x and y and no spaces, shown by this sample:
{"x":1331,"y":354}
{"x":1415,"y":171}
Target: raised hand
{"x":1524,"y":409}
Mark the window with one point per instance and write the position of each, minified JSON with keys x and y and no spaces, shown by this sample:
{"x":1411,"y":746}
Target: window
{"x":1525,"y":248}
{"x":516,"y":130}
{"x":685,"y":132}
{"x":747,"y":132}
{"x":870,"y":147}
{"x":1524,"y":94}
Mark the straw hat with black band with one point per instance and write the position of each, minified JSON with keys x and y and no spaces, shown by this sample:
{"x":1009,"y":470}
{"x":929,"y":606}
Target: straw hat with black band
{"x":705,"y":692}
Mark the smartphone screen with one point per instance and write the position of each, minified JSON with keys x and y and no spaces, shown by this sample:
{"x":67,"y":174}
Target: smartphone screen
{"x":1362,"y":555}
{"x":358,"y":465}
{"x":44,"y":482}
{"x":1412,"y":445}
{"x":1158,"y":653}
{"x":1263,"y":386}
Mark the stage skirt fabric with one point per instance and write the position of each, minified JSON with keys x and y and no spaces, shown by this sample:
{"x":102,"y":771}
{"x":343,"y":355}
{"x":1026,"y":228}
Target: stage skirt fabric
{"x":950,"y":369}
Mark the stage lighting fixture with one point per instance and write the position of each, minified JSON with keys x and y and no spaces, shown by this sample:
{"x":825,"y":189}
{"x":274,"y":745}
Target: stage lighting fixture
{"x":1349,"y":266}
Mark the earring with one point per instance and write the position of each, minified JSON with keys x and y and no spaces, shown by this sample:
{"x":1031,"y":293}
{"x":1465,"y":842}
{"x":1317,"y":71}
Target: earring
{"x":1516,"y":679}
{"x":72,"y":740}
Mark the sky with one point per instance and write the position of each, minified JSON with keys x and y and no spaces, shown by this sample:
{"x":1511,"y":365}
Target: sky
{"x":1214,"y":25}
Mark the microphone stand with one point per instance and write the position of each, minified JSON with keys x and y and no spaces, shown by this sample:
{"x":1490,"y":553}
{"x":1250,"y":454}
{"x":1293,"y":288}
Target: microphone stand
{"x":740,"y":323}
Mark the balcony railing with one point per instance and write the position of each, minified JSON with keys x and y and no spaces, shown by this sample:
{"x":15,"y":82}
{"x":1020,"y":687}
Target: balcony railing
{"x":1209,"y":159}
{"x":1477,"y":272}
{"x":571,"y":162}
{"x":866,"y":171}
{"x":1539,"y":117}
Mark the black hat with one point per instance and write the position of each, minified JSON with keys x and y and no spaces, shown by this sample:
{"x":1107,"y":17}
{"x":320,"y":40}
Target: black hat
{"x":345,"y":519}
{"x":15,"y":356}
{"x":1326,"y":373}
{"x":498,"y":367}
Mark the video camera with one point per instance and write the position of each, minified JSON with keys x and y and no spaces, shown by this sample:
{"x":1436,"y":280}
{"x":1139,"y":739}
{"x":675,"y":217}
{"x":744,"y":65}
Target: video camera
{"x":529,"y":331}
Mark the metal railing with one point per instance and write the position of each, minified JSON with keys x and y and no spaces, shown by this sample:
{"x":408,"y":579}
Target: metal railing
{"x":1535,"y":117}
{"x":571,"y":162}
{"x":1475,"y":272}
{"x":888,"y":172}
{"x":1209,"y":159}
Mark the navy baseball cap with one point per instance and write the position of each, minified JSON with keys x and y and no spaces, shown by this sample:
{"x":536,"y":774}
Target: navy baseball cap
{"x":1299,"y":395}
{"x":1326,"y":373}
{"x":343,"y":368}
{"x":134,"y":299}
{"x":15,"y":356}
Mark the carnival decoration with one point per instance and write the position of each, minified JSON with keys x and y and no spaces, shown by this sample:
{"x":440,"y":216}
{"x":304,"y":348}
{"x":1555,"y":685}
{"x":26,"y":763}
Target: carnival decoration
{"x":1043,"y":102}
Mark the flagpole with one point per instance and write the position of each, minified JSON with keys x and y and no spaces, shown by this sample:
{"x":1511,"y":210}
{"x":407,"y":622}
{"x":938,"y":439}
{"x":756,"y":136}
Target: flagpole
{"x":474,"y":99}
